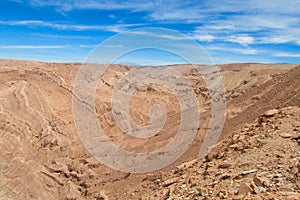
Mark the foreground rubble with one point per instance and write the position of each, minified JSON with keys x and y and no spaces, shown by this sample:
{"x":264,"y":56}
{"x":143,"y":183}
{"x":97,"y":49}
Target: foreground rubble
{"x":260,"y":161}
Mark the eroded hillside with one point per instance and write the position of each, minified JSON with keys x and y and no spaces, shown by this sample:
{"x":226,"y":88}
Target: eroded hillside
{"x":42,"y":156}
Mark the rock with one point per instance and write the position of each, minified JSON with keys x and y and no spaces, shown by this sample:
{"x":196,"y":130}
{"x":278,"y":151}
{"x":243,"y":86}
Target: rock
{"x":166,"y":194}
{"x":72,"y":191}
{"x":211,"y":171}
{"x":203,"y":191}
{"x":295,"y":169}
{"x":292,"y":196}
{"x":244,"y":189}
{"x":258,"y":181}
{"x":225,"y":176}
{"x":249,"y":171}
{"x":259,"y":189}
{"x":170,"y":182}
{"x":267,"y":183}
{"x":271,"y":113}
{"x":222,"y":194}
{"x":242,"y":138}
{"x":237,"y":146}
{"x":286,"y":135}
{"x":277,"y":176}
{"x":235,"y":138}
{"x":238,"y":197}
{"x":186,"y":164}
{"x":225,"y":165}
{"x":103,"y":195}
{"x":296,"y":137}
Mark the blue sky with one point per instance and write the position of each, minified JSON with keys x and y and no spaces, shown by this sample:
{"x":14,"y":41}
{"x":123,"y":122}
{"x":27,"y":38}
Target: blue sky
{"x":230,"y":31}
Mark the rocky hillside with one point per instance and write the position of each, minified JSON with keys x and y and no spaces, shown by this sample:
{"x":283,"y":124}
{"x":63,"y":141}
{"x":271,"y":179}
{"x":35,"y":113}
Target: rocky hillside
{"x":42,"y":156}
{"x":260,"y":161}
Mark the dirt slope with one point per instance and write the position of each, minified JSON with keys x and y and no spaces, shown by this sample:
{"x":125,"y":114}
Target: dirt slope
{"x":260,"y":161}
{"x":281,"y":91}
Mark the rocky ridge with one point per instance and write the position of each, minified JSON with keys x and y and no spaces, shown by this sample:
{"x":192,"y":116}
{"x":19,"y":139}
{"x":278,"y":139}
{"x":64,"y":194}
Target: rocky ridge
{"x":260,"y":161}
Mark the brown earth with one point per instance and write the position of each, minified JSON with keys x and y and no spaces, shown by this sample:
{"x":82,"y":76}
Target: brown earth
{"x":260,"y":161}
{"x":42,"y":156}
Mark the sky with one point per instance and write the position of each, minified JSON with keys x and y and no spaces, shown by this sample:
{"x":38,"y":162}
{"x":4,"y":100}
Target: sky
{"x":229,"y":31}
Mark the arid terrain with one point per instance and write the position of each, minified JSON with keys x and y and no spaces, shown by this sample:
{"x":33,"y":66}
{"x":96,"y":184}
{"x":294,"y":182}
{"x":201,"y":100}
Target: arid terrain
{"x":43,"y":157}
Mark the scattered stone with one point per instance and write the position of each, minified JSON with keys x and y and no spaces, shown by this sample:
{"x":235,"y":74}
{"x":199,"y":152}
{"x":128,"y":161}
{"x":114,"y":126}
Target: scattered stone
{"x":203,"y":191}
{"x":294,"y":170}
{"x":258,"y":181}
{"x":238,"y":197}
{"x":186,"y":164}
{"x":225,"y":165}
{"x":237,"y":146}
{"x":103,"y":195}
{"x":259,"y":189}
{"x":225,"y":176}
{"x":296,"y":136}
{"x":277,"y":175}
{"x":222,"y":194}
{"x":72,"y":191}
{"x":244,"y":189}
{"x":170,"y":182}
{"x":271,"y":113}
{"x":286,"y":135}
{"x":166,"y":194}
{"x":249,"y":171}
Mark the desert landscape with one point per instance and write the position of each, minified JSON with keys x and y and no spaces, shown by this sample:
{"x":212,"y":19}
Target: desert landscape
{"x":256,"y":157}
{"x":149,"y":100}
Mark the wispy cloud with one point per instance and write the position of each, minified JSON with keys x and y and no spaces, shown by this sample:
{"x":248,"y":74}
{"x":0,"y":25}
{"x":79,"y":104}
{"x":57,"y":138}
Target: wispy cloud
{"x":256,"y":16}
{"x":112,"y":46}
{"x":65,"y":6}
{"x":75,"y":37}
{"x":87,"y":46}
{"x":245,"y":28}
{"x":241,"y":39}
{"x":245,"y":51}
{"x":286,"y":54}
{"x":105,"y":46}
{"x":191,"y":9}
{"x":204,"y":38}
{"x":159,"y":35}
{"x":112,"y":28}
{"x":34,"y":47}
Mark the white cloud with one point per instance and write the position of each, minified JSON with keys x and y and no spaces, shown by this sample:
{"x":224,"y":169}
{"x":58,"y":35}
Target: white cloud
{"x":34,"y":47}
{"x":241,"y":39}
{"x":248,"y":51}
{"x":87,"y":46}
{"x":93,"y":4}
{"x":276,"y":39}
{"x":105,"y":46}
{"x":159,"y":35}
{"x":112,"y":28}
{"x":285,"y":54}
{"x":112,"y":46}
{"x":168,"y":12}
{"x":181,"y":9}
{"x":276,"y":19}
{"x":245,"y":51}
{"x":247,"y":22}
{"x":62,"y":36}
{"x":204,"y":38}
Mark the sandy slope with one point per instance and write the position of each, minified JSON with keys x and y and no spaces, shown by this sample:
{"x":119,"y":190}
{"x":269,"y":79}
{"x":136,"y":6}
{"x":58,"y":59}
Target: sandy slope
{"x":42,"y":156}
